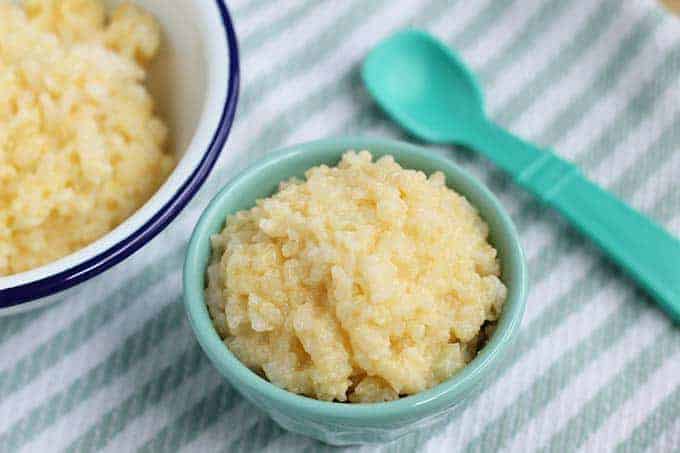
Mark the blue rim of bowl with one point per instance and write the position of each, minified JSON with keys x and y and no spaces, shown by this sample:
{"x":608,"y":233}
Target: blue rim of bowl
{"x":29,"y":292}
{"x":428,"y":402}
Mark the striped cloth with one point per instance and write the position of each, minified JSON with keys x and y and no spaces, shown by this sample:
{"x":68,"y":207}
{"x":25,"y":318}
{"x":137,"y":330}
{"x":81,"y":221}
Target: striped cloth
{"x":596,"y":366}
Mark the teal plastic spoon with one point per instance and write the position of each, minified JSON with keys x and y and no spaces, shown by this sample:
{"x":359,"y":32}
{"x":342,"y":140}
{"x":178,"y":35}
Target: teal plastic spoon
{"x":421,"y":83}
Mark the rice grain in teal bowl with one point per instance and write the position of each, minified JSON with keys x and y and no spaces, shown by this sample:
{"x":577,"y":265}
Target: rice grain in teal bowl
{"x":336,"y":422}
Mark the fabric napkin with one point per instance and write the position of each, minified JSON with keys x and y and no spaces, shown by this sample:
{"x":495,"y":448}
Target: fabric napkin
{"x":596,"y":366}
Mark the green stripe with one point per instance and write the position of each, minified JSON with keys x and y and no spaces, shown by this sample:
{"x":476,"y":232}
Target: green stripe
{"x":272,"y":31}
{"x":482,"y":21}
{"x":615,"y":135}
{"x":274,"y":133}
{"x":638,"y":108}
{"x":257,"y":437}
{"x":648,"y":163}
{"x":193,"y":421}
{"x":13,"y":324}
{"x":188,"y":364}
{"x":527,"y":404}
{"x":84,"y":326}
{"x":664,"y":416}
{"x":607,"y":78}
{"x":135,"y":348}
{"x":661,"y":149}
{"x":668,"y":205}
{"x":616,"y":391}
{"x":537,"y":24}
{"x":300,"y":60}
{"x":248,"y":8}
{"x":557,"y":68}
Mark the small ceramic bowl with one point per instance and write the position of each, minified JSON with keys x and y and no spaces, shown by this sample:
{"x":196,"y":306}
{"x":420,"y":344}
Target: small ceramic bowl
{"x":341,"y":423}
{"x":194,"y":81}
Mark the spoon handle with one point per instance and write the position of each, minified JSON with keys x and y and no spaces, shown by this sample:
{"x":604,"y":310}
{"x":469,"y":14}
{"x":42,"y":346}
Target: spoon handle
{"x":646,"y":251}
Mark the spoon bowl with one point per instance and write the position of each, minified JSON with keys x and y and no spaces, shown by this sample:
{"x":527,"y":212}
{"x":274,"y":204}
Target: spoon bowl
{"x":412,"y":78}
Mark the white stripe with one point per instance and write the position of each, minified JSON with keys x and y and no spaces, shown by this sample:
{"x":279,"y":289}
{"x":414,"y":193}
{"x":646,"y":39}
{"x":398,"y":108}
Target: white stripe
{"x":646,"y":5}
{"x":325,"y":71}
{"x":656,"y":184}
{"x":456,"y":19}
{"x":573,"y":268}
{"x":365,"y":36}
{"x":513,"y":78}
{"x":639,"y":71}
{"x":633,"y":412}
{"x":235,"y":5}
{"x":577,"y":77}
{"x":537,"y":236}
{"x":277,"y":51}
{"x":631,"y":152}
{"x":500,"y":35}
{"x":271,"y":106}
{"x":340,"y":109}
{"x":669,"y":440}
{"x":86,"y":356}
{"x":41,"y":330}
{"x":493,"y":400}
{"x":583,"y":387}
{"x":270,"y":13}
{"x":109,"y":397}
{"x":45,"y":323}
{"x":172,"y":406}
{"x":343,"y":108}
{"x":221,"y":433}
{"x":674,"y":225}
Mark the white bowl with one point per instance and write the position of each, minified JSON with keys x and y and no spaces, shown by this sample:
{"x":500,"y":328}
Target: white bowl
{"x":195,"y":81}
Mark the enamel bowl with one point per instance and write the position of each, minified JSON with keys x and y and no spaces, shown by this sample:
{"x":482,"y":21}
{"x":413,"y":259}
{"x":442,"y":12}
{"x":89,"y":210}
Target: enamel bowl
{"x":195,"y":82}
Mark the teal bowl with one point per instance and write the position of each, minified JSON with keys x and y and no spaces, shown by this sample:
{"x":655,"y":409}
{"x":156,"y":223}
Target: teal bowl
{"x":341,"y":423}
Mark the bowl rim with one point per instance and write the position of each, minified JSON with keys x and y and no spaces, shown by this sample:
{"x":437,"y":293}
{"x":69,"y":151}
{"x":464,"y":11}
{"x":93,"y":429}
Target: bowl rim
{"x":20,"y":296}
{"x":433,"y":400}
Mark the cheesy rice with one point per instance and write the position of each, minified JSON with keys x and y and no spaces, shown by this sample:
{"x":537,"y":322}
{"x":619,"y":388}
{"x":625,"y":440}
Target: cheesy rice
{"x":80,"y":146}
{"x":362,"y":283}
